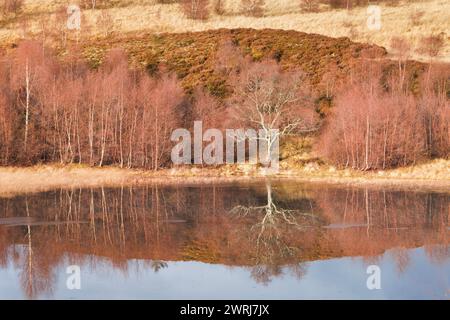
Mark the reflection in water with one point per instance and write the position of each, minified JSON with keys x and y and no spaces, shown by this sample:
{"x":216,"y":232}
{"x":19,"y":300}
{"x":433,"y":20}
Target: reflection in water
{"x":272,"y":228}
{"x":271,"y":225}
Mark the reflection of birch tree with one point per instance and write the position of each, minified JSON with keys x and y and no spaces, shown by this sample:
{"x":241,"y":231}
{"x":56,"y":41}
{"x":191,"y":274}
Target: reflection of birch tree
{"x":158,"y":265}
{"x":34,"y":277}
{"x":30,"y":282}
{"x":272,"y":234}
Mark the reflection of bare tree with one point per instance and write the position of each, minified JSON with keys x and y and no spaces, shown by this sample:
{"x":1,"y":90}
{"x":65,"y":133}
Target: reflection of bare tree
{"x":272,"y":234}
{"x":401,"y":258}
{"x":398,"y":220}
{"x":34,"y":276}
{"x":158,"y":265}
{"x":274,"y":230}
{"x":30,"y":282}
{"x":273,"y":216}
{"x":438,"y":253}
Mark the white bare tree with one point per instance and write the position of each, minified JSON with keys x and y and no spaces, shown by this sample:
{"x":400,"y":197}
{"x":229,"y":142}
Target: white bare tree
{"x":275,"y":102}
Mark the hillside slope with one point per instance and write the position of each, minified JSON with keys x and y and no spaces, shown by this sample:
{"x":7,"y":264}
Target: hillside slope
{"x":193,"y":55}
{"x":410,"y":19}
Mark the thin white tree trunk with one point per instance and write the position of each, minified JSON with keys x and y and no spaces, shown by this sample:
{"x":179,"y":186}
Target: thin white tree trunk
{"x":27,"y":104}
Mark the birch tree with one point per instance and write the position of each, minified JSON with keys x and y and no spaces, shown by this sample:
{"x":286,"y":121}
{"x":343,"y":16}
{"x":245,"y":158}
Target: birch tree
{"x":275,"y":102}
{"x":28,"y":66}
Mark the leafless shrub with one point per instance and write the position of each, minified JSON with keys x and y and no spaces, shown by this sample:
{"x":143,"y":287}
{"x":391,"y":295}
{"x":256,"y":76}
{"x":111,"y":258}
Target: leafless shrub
{"x":11,"y":6}
{"x":416,"y":17}
{"x":105,"y":22}
{"x":431,"y":46}
{"x":90,"y":4}
{"x":309,"y":5}
{"x":253,"y":8}
{"x":195,"y":9}
{"x":402,"y":50}
{"x":372,"y":128}
{"x":219,"y":7}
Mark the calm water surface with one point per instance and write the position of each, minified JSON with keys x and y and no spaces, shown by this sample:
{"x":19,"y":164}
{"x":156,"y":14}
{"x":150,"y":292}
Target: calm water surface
{"x":264,"y":240}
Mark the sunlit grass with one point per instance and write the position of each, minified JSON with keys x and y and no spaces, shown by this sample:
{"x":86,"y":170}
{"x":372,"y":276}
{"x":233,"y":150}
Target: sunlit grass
{"x":136,"y":15}
{"x":17,"y":180}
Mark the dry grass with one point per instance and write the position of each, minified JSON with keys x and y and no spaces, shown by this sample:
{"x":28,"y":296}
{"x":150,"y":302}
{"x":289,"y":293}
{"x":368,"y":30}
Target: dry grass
{"x":41,"y":178}
{"x":136,"y":15}
{"x":432,"y":175}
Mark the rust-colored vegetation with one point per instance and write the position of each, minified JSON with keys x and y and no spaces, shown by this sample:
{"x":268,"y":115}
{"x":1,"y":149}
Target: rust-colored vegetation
{"x":159,"y":224}
{"x":87,"y":103}
{"x":193,"y":55}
